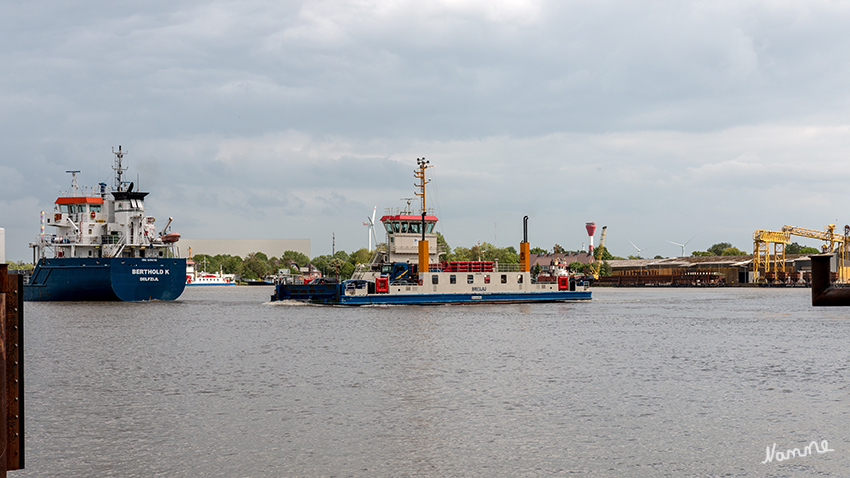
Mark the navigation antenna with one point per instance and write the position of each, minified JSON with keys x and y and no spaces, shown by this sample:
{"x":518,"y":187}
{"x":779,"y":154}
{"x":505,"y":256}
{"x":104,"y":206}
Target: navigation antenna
{"x":408,"y":210}
{"x":420,"y":175}
{"x":119,"y":155}
{"x":75,"y":188}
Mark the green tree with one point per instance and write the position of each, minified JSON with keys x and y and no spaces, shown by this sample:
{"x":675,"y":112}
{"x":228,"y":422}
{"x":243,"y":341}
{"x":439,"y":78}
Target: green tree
{"x":557,"y":249}
{"x":335,"y":265}
{"x":442,"y":244}
{"x":361,"y":256}
{"x":603,"y":254}
{"x":717,"y":249}
{"x":538,"y":250}
{"x":20,"y":266}
{"x":294,"y":256}
{"x":256,"y":266}
{"x":461,"y":254}
{"x":321,"y":263}
{"x":795,"y":248}
{"x":475,"y":253}
{"x":346,"y":271}
{"x":732,"y":251}
{"x":231,"y":264}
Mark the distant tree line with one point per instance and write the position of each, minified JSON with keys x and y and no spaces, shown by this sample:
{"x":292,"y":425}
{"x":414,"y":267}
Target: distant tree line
{"x":726,"y":249}
{"x":257,"y":265}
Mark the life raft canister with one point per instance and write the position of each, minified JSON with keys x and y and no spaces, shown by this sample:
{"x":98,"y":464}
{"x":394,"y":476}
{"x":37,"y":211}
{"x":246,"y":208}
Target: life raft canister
{"x":563,"y":283}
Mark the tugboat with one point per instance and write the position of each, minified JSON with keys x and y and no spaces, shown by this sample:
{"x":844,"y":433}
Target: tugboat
{"x":409,"y":271}
{"x":104,"y":248}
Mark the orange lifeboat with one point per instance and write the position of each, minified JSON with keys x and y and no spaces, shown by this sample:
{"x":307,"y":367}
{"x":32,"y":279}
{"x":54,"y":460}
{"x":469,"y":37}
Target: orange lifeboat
{"x":171,"y":237}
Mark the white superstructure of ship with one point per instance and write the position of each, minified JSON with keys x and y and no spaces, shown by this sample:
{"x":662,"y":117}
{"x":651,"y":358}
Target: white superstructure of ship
{"x":99,"y":244}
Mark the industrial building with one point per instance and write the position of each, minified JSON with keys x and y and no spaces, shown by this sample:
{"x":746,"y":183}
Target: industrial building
{"x":706,"y":271}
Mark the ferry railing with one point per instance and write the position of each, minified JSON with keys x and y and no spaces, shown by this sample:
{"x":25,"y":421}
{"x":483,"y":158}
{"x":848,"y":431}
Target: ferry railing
{"x":508,"y":267}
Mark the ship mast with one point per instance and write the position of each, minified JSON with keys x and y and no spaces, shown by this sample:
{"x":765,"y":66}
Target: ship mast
{"x":420,"y":175}
{"x":119,"y":155}
{"x":75,"y":188}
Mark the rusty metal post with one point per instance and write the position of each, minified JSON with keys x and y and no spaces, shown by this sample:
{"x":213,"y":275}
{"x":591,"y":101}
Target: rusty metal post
{"x":3,"y":436}
{"x":11,"y":370}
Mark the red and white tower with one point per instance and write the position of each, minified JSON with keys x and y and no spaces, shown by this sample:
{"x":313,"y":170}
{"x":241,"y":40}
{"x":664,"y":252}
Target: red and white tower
{"x":591,"y":230}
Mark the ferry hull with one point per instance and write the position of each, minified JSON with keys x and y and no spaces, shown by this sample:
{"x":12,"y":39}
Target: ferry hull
{"x":334,"y":294}
{"x":106,"y":279}
{"x":472,"y":298}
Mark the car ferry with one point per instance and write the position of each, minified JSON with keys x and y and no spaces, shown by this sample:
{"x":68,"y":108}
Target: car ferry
{"x":103,"y":247}
{"x":408,"y":271}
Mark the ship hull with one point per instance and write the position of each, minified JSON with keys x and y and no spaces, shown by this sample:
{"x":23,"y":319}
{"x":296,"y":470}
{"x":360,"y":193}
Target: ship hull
{"x":335,"y":294}
{"x":106,"y":279}
{"x":472,"y":298}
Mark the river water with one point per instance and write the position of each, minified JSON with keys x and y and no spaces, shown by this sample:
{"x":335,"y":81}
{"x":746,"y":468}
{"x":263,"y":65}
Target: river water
{"x":636,"y":382}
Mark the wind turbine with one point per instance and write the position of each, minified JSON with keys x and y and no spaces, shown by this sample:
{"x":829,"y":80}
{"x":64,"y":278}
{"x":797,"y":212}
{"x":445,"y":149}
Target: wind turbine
{"x":638,"y":249}
{"x":683,"y":245}
{"x":371,"y":225}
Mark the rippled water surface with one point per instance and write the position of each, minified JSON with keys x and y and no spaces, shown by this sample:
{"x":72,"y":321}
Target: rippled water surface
{"x":636,"y":382}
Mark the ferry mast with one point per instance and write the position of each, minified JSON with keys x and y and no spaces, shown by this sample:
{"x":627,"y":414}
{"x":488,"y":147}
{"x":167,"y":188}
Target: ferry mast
{"x":419,"y":174}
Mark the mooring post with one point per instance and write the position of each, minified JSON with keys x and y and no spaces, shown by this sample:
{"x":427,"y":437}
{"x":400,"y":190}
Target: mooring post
{"x":11,"y":370}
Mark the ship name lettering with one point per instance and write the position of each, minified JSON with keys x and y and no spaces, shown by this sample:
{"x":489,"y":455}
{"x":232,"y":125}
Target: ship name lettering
{"x":479,"y":289}
{"x":151,"y":271}
{"x":149,"y":279}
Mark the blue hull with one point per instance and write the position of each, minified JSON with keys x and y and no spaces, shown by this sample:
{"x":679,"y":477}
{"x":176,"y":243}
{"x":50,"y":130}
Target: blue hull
{"x":103,"y":279}
{"x":472,"y":298}
{"x":334,"y":294}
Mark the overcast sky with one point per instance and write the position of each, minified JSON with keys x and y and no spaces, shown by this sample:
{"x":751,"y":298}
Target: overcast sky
{"x":663,"y":120}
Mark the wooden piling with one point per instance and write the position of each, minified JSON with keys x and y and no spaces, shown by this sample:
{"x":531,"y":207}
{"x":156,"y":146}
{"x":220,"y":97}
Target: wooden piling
{"x":11,"y":370}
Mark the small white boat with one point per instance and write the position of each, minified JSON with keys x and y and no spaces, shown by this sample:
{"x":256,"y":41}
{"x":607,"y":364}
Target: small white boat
{"x":196,"y":278}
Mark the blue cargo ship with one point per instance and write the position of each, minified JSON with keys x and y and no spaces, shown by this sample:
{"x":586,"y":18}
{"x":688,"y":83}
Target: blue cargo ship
{"x":407,"y":270}
{"x":103,"y":247}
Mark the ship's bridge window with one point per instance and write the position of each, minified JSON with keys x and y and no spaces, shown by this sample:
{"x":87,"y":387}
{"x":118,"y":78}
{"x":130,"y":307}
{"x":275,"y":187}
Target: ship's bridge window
{"x":66,"y":208}
{"x":416,"y":227}
{"x":94,"y":208}
{"x":396,"y":227}
{"x":429,"y":227}
{"x":404,"y":227}
{"x":389,"y":227}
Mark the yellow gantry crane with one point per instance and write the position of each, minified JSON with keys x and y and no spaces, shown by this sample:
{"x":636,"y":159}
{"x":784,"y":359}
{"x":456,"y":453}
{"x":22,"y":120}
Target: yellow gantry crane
{"x":762,"y":240}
